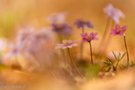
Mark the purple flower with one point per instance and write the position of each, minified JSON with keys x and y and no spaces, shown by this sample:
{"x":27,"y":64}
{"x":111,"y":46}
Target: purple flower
{"x":59,"y":25}
{"x":82,"y":24}
{"x":66,"y":44}
{"x":114,"y":13}
{"x":27,"y":39}
{"x":119,"y":30}
{"x":89,"y":37}
{"x":63,"y":29}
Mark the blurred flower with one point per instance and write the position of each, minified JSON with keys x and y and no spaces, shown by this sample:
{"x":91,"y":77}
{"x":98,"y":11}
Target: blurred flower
{"x":3,"y":45}
{"x":58,"y":18}
{"x":114,"y":13}
{"x":111,"y":55}
{"x":11,"y":57}
{"x":66,"y":44}
{"x":63,"y":29}
{"x":35,"y":46}
{"x":44,"y":34}
{"x":13,"y":52}
{"x":38,"y":40}
{"x":23,"y":36}
{"x":59,"y":25}
{"x":89,"y":37}
{"x":28,"y":37}
{"x":118,"y":30}
{"x":116,"y":55}
{"x":82,"y":24}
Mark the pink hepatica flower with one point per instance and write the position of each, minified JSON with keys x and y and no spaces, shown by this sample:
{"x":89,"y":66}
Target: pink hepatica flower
{"x":118,"y":30}
{"x":89,"y":37}
{"x":66,"y":44}
{"x":114,"y":13}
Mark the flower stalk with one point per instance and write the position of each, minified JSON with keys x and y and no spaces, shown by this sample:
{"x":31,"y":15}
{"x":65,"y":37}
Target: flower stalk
{"x":125,"y":44}
{"x":81,"y":24}
{"x":91,"y":55}
{"x":71,"y":60}
{"x":120,"y":30}
{"x":88,"y":38}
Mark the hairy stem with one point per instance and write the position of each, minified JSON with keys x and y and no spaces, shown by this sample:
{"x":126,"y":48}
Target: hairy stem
{"x":125,"y":43}
{"x":71,"y":60}
{"x":91,"y":56}
{"x":117,"y":65}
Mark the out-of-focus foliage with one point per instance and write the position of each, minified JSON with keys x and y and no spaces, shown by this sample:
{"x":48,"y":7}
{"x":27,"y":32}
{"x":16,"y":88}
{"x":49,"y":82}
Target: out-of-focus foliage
{"x":92,"y":71}
{"x":8,"y":22}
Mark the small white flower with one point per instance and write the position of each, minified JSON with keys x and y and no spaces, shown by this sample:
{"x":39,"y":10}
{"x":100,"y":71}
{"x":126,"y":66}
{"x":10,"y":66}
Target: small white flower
{"x":66,"y":44}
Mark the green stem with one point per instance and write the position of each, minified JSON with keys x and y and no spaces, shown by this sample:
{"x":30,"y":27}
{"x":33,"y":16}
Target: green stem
{"x":125,"y":43}
{"x":114,"y":68}
{"x":117,"y":65}
{"x":91,"y":56}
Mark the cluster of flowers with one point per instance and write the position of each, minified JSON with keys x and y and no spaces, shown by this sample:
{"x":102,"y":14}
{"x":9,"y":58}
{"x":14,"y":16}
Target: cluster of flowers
{"x":112,"y":13}
{"x":28,"y":40}
{"x":25,"y":52}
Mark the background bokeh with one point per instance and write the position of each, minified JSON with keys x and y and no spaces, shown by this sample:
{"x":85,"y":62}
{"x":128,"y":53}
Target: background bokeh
{"x":14,"y":13}
{"x":17,"y":13}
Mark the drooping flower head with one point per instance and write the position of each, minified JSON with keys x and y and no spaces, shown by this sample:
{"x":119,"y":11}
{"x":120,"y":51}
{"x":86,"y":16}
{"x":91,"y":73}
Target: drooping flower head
{"x":66,"y":44}
{"x":89,"y":37}
{"x":82,"y":24}
{"x":119,"y":30}
{"x":64,"y":29}
{"x":58,"y":18}
{"x":59,"y":25}
{"x":114,"y":13}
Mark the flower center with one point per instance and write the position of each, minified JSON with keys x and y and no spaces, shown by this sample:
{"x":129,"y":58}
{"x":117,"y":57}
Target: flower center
{"x":118,"y":31}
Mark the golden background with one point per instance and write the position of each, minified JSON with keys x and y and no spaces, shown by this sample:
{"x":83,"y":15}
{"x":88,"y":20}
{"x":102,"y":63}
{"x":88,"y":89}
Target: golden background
{"x":18,"y":12}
